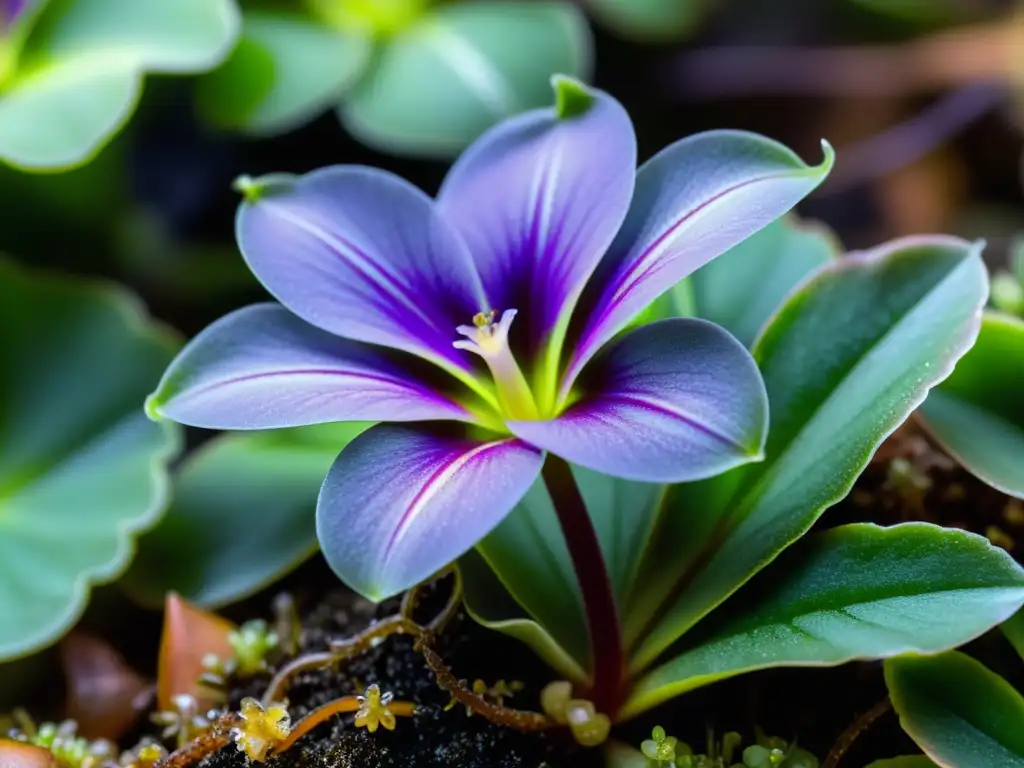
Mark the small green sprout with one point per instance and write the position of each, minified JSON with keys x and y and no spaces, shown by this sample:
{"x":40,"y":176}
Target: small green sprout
{"x":184,"y":722}
{"x":663,"y":750}
{"x":63,"y":742}
{"x":252,"y":643}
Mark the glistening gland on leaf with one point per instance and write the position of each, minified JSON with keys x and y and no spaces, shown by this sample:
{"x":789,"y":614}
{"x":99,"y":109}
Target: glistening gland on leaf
{"x":536,"y":222}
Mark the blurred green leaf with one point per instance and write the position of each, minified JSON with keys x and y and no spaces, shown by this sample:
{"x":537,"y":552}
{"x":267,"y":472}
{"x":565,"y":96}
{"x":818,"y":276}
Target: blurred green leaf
{"x":650,"y":20}
{"x":1013,"y":628}
{"x":82,"y":470}
{"x":438,"y":84}
{"x":243,"y":516}
{"x":79,"y":75}
{"x":845,"y":361}
{"x":961,"y":714}
{"x":907,"y":761}
{"x":285,"y":70}
{"x":977,"y":414}
{"x":855,"y":592}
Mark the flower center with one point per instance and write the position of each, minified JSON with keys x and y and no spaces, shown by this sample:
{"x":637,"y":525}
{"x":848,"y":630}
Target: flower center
{"x":489,"y":339}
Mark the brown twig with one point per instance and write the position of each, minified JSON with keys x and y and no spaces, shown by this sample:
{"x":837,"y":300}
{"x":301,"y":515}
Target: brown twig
{"x":518,"y":719}
{"x":861,"y":724}
{"x":204,"y":745}
{"x":308,"y":663}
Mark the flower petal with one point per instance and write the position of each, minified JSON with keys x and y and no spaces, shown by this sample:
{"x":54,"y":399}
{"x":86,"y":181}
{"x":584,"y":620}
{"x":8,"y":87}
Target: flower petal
{"x":363,"y":254}
{"x":694,"y":200}
{"x":674,"y":401}
{"x":402,"y":502}
{"x":538,"y":199}
{"x":261,"y":368}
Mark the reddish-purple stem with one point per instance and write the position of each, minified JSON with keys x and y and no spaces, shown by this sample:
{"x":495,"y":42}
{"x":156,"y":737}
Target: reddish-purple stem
{"x":606,"y":649}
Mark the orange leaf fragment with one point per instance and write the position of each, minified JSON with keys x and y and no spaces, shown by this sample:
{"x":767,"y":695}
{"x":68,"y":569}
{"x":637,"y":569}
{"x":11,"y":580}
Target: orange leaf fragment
{"x":189,"y":634}
{"x":17,"y":754}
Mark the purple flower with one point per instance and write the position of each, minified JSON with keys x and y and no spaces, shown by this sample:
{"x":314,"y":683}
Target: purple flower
{"x":493,"y":323}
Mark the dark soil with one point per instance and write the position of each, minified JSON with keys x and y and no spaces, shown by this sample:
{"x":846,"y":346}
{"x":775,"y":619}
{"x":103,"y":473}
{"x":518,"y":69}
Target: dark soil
{"x":911,"y":479}
{"x":437,"y":736}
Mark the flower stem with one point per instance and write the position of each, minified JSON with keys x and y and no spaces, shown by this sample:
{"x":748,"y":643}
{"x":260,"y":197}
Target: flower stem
{"x":598,"y":598}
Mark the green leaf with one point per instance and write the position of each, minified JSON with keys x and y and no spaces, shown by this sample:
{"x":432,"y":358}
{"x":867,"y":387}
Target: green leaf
{"x":441,"y":82}
{"x":650,"y":20}
{"x":907,"y":761}
{"x":490,"y":604}
{"x":977,"y":414}
{"x":855,"y":592}
{"x":961,"y":714}
{"x":82,"y":470}
{"x":845,"y":360}
{"x":619,"y":755}
{"x":743,"y":287}
{"x":527,"y":553}
{"x":285,"y":70}
{"x":80,"y":74}
{"x":243,"y":516}
{"x":1013,"y":628}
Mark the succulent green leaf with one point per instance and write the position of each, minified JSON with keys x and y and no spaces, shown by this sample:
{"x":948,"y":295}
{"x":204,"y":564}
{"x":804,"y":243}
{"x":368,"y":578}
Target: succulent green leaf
{"x":80,"y":74}
{"x":906,"y":761}
{"x":855,"y":592}
{"x":439,"y":83}
{"x":845,"y":360}
{"x":82,"y":470}
{"x":527,"y":553}
{"x":959,"y":712}
{"x":243,"y":515}
{"x":977,"y":414}
{"x":1013,"y":628}
{"x":743,"y":287}
{"x":491,"y":605}
{"x":650,"y":20}
{"x":285,"y":70}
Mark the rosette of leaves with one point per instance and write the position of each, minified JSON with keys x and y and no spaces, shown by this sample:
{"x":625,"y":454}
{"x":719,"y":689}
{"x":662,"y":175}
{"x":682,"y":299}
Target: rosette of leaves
{"x":71,"y":71}
{"x":958,"y":711}
{"x":82,"y":470}
{"x":410,"y":76}
{"x":715,"y":578}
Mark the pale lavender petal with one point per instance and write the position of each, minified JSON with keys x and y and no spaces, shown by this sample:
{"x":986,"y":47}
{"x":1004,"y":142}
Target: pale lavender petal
{"x":402,"y":502}
{"x":674,"y":401}
{"x":694,"y":200}
{"x":363,"y":254}
{"x":261,"y":368}
{"x":538,"y":199}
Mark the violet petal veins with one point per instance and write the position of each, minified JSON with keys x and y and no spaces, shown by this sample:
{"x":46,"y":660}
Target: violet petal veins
{"x":486,"y":316}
